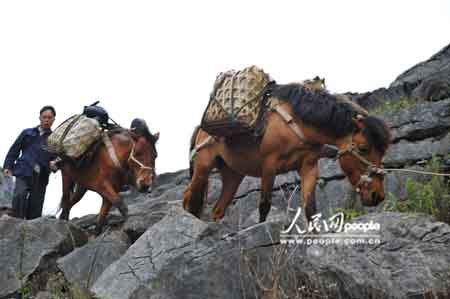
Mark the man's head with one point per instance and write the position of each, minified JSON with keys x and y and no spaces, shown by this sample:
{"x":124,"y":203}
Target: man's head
{"x":47,"y":117}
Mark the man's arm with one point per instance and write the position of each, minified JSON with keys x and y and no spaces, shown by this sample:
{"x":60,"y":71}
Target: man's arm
{"x":13,"y":153}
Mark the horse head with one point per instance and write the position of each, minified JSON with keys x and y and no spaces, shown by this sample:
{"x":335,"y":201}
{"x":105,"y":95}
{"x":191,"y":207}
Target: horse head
{"x":142,"y":156}
{"x":361,"y":158}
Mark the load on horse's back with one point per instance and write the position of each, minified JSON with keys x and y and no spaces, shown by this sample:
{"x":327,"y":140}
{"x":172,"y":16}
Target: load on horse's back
{"x":235,"y":106}
{"x":75,"y":136}
{"x":294,"y":122}
{"x":117,"y":157}
{"x":315,"y":83}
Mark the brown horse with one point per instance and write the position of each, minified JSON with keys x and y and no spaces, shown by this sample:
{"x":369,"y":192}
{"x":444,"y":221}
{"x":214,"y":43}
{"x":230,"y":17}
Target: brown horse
{"x":124,"y":157}
{"x":297,"y":125}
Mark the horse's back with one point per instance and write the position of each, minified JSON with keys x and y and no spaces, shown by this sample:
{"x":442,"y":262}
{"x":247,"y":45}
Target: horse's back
{"x":278,"y":146}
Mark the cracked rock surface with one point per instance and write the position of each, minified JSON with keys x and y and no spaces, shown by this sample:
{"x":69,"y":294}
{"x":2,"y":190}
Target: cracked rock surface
{"x":162,"y":252}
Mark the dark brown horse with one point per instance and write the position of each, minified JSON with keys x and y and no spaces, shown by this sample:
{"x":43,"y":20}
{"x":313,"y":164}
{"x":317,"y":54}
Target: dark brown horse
{"x":299,"y":123}
{"x":124,"y":157}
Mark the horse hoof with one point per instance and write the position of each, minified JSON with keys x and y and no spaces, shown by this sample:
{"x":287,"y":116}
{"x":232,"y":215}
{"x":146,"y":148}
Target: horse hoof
{"x":98,"y":231}
{"x":217,"y":215}
{"x":123,"y":209}
{"x":99,"y":228}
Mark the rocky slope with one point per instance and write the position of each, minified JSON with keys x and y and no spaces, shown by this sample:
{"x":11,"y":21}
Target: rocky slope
{"x":161,"y":251}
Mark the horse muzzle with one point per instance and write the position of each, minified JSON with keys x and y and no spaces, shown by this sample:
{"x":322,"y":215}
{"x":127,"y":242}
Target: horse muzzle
{"x":372,"y":199}
{"x":143,"y":185}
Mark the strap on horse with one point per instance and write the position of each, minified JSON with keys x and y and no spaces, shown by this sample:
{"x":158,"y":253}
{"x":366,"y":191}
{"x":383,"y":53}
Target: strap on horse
{"x":196,"y":149}
{"x":110,"y":149}
{"x":290,"y":121}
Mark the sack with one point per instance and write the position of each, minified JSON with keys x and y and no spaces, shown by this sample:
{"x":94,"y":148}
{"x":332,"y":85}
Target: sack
{"x":235,"y":105}
{"x":74,"y":136}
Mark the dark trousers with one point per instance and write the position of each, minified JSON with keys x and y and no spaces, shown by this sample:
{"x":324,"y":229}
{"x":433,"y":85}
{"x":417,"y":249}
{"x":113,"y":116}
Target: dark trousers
{"x":29,"y":196}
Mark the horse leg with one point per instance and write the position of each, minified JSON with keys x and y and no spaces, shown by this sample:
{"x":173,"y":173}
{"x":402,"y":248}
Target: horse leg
{"x":76,"y":195}
{"x":101,"y":217}
{"x":194,"y":196}
{"x":267,"y":180}
{"x":309,"y":172}
{"x":230,"y":183}
{"x":110,"y":194}
{"x":67,"y":184}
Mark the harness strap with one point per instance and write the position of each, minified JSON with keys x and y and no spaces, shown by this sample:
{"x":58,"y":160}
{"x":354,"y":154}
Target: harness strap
{"x":351,"y":149}
{"x":196,"y":149}
{"x":290,"y":121}
{"x":132,"y":158}
{"x":110,"y":149}
{"x":66,"y":131}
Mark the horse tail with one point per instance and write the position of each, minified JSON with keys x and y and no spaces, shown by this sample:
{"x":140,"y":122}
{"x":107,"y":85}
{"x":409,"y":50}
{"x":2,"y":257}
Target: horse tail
{"x":192,"y":145}
{"x":205,"y":195}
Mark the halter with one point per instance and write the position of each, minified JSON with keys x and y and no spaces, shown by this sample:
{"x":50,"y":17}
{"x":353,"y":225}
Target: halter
{"x":372,"y":169}
{"x":113,"y":156}
{"x":133,"y":158}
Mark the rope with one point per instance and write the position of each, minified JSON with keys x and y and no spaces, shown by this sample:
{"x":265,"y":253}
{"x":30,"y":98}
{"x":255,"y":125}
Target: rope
{"x":403,"y":169}
{"x":416,"y":171}
{"x":114,"y":122}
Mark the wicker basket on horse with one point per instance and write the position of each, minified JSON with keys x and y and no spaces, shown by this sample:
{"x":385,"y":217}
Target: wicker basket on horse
{"x":236,"y":102}
{"x":74,"y":136}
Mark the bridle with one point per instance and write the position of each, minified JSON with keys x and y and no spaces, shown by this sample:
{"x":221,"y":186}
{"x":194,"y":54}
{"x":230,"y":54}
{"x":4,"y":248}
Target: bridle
{"x":131,"y":157}
{"x":371,"y":169}
{"x":142,"y":167}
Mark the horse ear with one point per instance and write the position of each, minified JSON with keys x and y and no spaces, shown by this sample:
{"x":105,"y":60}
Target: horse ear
{"x":156,"y":135}
{"x":358,"y":121}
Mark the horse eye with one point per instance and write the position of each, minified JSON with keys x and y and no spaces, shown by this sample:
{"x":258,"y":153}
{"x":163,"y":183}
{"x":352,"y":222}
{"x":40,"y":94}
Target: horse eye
{"x":364,"y":150}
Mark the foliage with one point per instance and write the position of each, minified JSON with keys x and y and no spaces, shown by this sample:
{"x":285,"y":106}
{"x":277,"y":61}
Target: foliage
{"x":431,"y":197}
{"x":389,"y":106}
{"x":25,"y":288}
{"x":25,"y":285}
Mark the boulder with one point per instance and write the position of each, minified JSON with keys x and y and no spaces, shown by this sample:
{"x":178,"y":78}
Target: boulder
{"x":421,"y":121}
{"x":29,"y":249}
{"x":408,"y":153}
{"x":410,"y":261}
{"x":436,"y":66}
{"x":84,"y":265}
{"x":183,"y":257}
{"x":202,"y":260}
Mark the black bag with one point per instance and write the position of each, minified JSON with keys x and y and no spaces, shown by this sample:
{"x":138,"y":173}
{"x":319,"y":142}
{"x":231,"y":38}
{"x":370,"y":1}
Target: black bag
{"x":97,"y":112}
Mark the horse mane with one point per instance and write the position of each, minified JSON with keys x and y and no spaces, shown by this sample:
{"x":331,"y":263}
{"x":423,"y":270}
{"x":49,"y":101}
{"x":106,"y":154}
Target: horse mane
{"x":377,"y":133}
{"x":322,"y":110}
{"x":139,"y":126}
{"x":116,"y":130}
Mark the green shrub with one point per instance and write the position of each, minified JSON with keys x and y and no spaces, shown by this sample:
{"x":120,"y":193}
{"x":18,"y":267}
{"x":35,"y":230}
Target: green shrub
{"x":431,"y":197}
{"x":397,"y":106}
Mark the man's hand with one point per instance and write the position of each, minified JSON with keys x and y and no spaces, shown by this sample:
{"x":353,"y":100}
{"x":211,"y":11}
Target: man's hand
{"x":53,"y":165}
{"x":7,"y":172}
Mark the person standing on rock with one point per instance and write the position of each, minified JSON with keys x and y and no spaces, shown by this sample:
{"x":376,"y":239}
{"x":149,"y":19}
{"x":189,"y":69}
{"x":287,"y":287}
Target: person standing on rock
{"x":30,"y":162}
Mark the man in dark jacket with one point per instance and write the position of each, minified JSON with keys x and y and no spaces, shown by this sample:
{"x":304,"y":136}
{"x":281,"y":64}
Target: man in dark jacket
{"x":30,"y":162}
